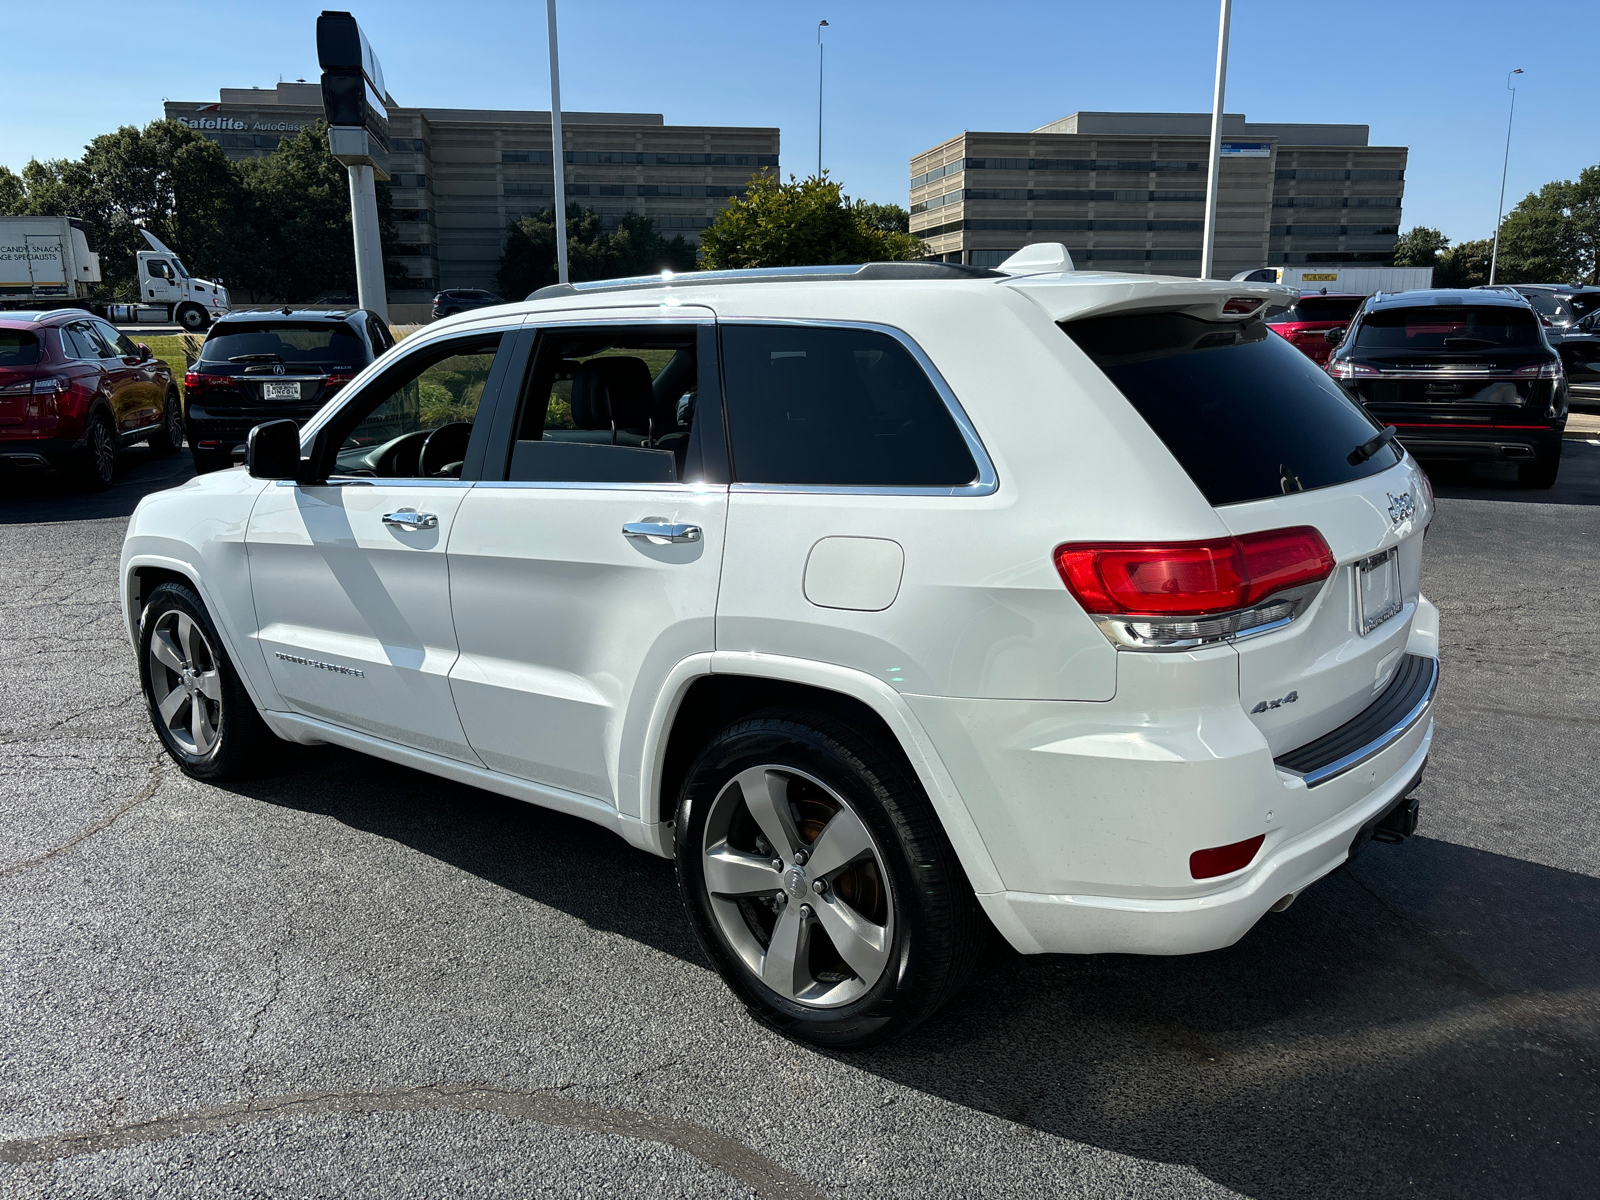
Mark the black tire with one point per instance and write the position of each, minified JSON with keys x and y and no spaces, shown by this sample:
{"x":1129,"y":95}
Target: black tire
{"x":168,"y":437}
{"x":240,"y":735}
{"x":96,"y":468}
{"x":193,"y":318}
{"x":1540,"y":474}
{"x":206,"y":461}
{"x":939,"y":932}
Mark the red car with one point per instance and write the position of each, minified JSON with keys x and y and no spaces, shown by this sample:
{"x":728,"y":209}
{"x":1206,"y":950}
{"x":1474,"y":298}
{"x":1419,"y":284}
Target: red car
{"x":74,"y":391}
{"x":1306,"y":325}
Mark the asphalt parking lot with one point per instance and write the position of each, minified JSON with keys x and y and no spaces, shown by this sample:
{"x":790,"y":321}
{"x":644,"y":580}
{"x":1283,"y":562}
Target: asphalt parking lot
{"x":351,"y":979}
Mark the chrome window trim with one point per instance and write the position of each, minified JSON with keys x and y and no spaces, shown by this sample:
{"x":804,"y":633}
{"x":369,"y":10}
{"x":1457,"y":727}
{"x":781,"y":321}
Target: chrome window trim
{"x":378,"y":481}
{"x":698,"y":489}
{"x":988,"y":480}
{"x":1378,"y":744}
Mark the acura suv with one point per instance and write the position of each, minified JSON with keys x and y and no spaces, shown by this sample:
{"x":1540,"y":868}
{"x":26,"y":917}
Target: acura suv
{"x":255,"y":366}
{"x":1464,"y":376}
{"x":902,"y":605}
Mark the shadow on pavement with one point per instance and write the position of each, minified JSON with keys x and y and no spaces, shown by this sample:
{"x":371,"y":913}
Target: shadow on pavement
{"x":1424,"y":1023}
{"x":1577,"y":483}
{"x":32,"y":495}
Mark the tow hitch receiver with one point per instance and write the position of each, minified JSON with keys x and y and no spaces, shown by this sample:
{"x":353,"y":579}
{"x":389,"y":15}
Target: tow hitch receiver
{"x":1393,"y":824}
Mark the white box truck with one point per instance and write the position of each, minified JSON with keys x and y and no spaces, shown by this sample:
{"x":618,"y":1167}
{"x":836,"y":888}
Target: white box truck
{"x":1349,"y":281}
{"x":45,"y":262}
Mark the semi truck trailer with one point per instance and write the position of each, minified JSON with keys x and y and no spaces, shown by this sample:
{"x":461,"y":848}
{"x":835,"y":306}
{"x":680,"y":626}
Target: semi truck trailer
{"x":46,"y":262}
{"x":1349,"y":281}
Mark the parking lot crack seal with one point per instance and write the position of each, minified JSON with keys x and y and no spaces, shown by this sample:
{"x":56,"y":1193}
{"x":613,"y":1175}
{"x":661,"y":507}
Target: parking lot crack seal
{"x":105,"y":822}
{"x":763,"y":1176}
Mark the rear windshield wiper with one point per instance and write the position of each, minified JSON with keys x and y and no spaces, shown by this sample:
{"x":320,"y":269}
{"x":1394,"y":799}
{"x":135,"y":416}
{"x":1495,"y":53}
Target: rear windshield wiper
{"x":1469,"y":341}
{"x":256,"y":358}
{"x":1367,"y":449}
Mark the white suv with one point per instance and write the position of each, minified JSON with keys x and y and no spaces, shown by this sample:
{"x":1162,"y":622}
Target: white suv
{"x":900,"y":603}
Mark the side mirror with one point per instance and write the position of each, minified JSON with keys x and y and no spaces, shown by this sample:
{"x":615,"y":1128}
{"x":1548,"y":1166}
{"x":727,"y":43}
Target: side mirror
{"x":1334,"y":336}
{"x":144,"y":353}
{"x":273,"y":451}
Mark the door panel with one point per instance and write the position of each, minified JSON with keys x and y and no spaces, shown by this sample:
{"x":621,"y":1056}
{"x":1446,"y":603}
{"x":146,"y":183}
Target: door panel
{"x":354,"y":613}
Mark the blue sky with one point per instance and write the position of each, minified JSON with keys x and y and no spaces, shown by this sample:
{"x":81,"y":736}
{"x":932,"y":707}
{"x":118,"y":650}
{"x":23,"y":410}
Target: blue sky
{"x":901,"y":77}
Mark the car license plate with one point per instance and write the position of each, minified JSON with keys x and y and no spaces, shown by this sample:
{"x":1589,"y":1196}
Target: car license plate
{"x":281,"y":391}
{"x":1378,"y":589}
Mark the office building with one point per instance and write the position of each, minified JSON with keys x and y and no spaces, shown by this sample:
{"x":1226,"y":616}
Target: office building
{"x":1126,"y":192}
{"x":460,"y":177}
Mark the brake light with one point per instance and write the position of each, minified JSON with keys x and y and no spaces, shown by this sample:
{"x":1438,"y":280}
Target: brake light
{"x":1240,"y":305}
{"x":199,"y":381}
{"x":47,"y":386}
{"x":1342,"y":369}
{"x":1544,"y":370}
{"x":339,"y":379}
{"x":1224,"y":860}
{"x":1192,"y":579}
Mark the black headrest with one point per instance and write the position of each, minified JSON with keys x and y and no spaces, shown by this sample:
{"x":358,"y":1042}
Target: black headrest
{"x":611,"y":391}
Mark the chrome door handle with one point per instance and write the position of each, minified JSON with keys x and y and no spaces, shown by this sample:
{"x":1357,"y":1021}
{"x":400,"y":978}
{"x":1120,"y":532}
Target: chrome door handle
{"x":411,"y":519}
{"x":661,"y":531}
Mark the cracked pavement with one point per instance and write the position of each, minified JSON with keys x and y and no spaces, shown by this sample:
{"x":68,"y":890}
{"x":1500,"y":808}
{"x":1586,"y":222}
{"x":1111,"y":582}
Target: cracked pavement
{"x":347,"y":978}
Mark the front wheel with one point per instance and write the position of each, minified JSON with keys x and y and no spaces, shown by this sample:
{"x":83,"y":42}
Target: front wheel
{"x":193,"y":318}
{"x":198,"y":705}
{"x":819,"y":882}
{"x":168,"y":437}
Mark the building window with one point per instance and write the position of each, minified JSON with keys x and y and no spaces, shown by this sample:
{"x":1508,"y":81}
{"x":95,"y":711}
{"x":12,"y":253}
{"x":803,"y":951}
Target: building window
{"x":1325,"y":173}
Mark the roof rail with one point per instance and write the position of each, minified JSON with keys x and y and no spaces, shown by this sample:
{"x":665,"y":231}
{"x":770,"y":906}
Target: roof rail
{"x":926,"y":271}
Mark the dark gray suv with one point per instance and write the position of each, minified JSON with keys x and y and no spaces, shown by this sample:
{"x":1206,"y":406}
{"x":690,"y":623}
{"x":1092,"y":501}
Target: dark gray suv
{"x":448,"y":304}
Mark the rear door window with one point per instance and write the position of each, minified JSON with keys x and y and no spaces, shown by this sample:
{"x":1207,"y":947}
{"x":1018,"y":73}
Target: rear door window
{"x":1447,"y":327}
{"x":1245,"y":414}
{"x":836,"y":407}
{"x":18,"y":348}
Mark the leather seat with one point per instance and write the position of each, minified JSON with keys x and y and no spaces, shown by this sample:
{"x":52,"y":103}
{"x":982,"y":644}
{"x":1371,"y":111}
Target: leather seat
{"x":611,"y":403}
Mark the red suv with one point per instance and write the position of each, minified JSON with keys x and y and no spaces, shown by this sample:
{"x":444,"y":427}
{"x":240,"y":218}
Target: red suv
{"x":1307,"y":324}
{"x":74,"y":391}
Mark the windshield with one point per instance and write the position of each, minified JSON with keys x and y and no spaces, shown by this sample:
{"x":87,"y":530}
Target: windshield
{"x":1245,"y":414}
{"x":18,"y":348}
{"x":323,"y":344}
{"x":1447,"y":327}
{"x":1583,"y":304}
{"x":183,"y":272}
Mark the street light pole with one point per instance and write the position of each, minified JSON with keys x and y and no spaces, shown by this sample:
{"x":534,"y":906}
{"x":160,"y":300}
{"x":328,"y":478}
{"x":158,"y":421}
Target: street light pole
{"x":1494,"y":255}
{"x":1209,"y":237}
{"x":558,"y":157}
{"x":821,"y":25}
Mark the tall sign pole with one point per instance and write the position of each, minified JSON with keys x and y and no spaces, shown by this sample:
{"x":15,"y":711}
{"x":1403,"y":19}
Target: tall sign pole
{"x":558,"y":155}
{"x":1499,"y":214}
{"x":354,"y":102}
{"x":1208,"y":244}
{"x":821,"y":25}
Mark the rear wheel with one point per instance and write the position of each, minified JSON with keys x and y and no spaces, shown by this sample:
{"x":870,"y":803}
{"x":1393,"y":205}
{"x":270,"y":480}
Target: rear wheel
{"x":819,"y":881}
{"x":199,"y":707}
{"x":168,"y":437}
{"x":97,"y":466}
{"x":1541,"y":473}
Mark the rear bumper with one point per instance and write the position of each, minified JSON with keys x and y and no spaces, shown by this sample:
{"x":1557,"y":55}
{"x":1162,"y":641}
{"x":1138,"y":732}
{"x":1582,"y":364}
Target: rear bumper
{"x":230,"y":432}
{"x":1445,"y":442}
{"x":28,"y":453}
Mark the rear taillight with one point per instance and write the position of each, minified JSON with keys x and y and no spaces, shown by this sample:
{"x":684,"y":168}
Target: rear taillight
{"x":338,"y":379}
{"x":200,"y":381}
{"x":1349,"y":370}
{"x":1192,"y":579}
{"x":1544,"y":370}
{"x":49,"y":385}
{"x":1240,"y":305}
{"x":1225,"y":860}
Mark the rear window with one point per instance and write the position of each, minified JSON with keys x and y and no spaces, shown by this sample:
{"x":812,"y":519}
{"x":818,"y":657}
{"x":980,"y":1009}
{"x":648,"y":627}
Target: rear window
{"x":321,"y":344}
{"x":18,"y":348}
{"x":1319,"y":308}
{"x":1584,"y":304}
{"x":1245,"y":414}
{"x":1447,"y":327}
{"x":836,"y":407}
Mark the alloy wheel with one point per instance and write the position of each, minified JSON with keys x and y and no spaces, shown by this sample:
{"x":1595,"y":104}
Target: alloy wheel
{"x":185,"y":683}
{"x":102,"y":451}
{"x":173,"y":411}
{"x":798,"y":886}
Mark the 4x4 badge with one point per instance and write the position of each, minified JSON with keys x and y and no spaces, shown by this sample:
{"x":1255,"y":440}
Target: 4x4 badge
{"x":1259,"y":708}
{"x":1401,"y":508}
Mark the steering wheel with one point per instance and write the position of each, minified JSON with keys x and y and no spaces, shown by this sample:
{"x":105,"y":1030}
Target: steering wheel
{"x":445,"y":449}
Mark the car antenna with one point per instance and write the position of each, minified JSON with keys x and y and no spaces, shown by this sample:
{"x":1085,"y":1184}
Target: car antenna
{"x":287,"y":310}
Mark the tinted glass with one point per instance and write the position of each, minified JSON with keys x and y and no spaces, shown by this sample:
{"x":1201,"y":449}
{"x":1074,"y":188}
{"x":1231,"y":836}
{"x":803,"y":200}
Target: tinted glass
{"x":1447,"y":327}
{"x":79,"y":342}
{"x":836,"y":407}
{"x":609,"y":406}
{"x":18,"y":348}
{"x":416,"y":422}
{"x":1544,"y":303}
{"x":121,"y":344}
{"x":322,"y":344}
{"x":1585,"y":303}
{"x":1320,"y":308}
{"x":1246,"y":414}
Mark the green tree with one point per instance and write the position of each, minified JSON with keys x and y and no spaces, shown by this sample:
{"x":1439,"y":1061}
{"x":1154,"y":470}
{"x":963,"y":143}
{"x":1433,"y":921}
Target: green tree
{"x":1553,"y":235}
{"x":805,"y":222}
{"x":12,"y":193}
{"x":635,"y":247}
{"x":1419,"y":247}
{"x":1464,"y":265}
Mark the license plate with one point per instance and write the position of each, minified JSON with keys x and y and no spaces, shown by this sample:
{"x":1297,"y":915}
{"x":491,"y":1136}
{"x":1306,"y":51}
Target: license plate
{"x":281,"y":391}
{"x":1378,"y":589}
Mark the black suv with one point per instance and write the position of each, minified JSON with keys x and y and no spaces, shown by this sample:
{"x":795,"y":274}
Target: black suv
{"x":1559,"y":305}
{"x":263,"y":366}
{"x":448,"y":304}
{"x":1462,"y":375}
